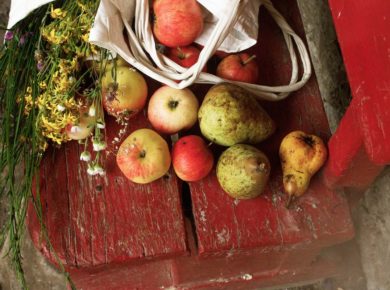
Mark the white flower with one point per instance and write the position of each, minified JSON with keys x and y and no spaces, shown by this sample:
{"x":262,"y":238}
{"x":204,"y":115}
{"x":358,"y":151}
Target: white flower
{"x":92,"y":111}
{"x":99,"y":170}
{"x":100,"y":125}
{"x":85,"y":156}
{"x":99,"y":145}
{"x":60,"y":108}
{"x":91,"y":170}
{"x":96,"y":170}
{"x":75,"y":129}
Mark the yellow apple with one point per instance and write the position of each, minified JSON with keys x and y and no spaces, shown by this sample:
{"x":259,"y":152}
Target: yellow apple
{"x":144,"y":156}
{"x":172,"y":110}
{"x":124,"y":91}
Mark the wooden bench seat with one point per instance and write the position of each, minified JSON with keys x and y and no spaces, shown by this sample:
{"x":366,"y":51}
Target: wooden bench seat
{"x":113,"y":234}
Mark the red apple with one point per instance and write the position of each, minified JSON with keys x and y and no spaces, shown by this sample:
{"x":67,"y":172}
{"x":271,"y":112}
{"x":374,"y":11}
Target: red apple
{"x":239,"y":67}
{"x":177,"y":22}
{"x":192,"y":159}
{"x":143,"y":156}
{"x":186,"y":56}
{"x":124,"y":94}
{"x":221,"y":54}
{"x":172,"y":110}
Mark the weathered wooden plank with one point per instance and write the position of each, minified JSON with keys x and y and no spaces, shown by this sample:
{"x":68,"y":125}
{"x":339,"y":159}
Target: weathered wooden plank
{"x":349,"y":164}
{"x":359,"y":148}
{"x":97,"y":220}
{"x":264,"y":224}
{"x":367,"y":63}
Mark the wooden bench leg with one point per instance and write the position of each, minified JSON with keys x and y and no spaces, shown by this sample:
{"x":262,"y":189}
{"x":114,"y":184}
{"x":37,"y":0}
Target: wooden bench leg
{"x":349,"y":165}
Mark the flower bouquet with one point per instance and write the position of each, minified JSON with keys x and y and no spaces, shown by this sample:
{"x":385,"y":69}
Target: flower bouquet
{"x":50,"y":93}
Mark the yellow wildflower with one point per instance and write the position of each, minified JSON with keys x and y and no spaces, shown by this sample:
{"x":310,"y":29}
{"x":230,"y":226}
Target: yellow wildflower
{"x":41,"y":101}
{"x":28,"y":103}
{"x":85,"y":37}
{"x":82,"y":6}
{"x":64,"y":66}
{"x":70,"y":103}
{"x":42,"y":85}
{"x":43,"y":146}
{"x":57,"y":13}
{"x":74,"y":64}
{"x":63,"y":86}
{"x":49,"y":125}
{"x":58,"y":138}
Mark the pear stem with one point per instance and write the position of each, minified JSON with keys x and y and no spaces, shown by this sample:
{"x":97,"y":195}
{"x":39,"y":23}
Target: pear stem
{"x":248,"y":60}
{"x":290,"y":199}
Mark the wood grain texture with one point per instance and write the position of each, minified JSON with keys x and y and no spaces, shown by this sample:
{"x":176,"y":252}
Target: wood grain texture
{"x":320,"y":218}
{"x":363,"y":32}
{"x":97,"y":220}
{"x":349,"y":165}
{"x":359,"y":148}
{"x":110,"y":232}
{"x":251,"y":270}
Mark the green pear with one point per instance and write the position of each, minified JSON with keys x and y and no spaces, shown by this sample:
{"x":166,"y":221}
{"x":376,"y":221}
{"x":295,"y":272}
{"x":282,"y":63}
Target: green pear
{"x":243,"y":171}
{"x":229,"y":115}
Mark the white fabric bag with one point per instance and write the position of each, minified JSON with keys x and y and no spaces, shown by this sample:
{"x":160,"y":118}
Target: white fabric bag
{"x":21,"y":8}
{"x":230,"y":24}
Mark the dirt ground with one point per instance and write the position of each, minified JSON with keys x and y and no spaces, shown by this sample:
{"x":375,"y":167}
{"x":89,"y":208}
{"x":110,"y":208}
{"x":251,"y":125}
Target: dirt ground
{"x":372,"y":217}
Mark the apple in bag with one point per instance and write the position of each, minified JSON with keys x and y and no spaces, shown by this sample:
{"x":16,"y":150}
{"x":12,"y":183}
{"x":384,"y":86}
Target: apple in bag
{"x":177,"y":22}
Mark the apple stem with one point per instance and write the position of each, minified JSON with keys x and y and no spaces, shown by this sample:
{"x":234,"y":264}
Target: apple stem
{"x":211,"y":143}
{"x":248,"y":60}
{"x":173,"y":104}
{"x":142,"y":154}
{"x":181,"y":54}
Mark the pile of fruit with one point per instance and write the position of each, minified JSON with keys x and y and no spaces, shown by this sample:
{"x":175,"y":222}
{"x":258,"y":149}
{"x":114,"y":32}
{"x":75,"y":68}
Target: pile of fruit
{"x":228,"y":116}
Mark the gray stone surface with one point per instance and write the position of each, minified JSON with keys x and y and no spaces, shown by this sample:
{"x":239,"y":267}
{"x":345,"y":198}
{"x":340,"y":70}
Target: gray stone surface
{"x":372,"y":215}
{"x":373,"y":225}
{"x":326,"y":58}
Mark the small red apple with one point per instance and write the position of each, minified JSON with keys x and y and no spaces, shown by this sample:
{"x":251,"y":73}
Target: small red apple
{"x":177,"y":22}
{"x":186,"y":56}
{"x":221,"y":54}
{"x":143,"y":156}
{"x":192,"y":159}
{"x":172,"y":110}
{"x":239,"y":67}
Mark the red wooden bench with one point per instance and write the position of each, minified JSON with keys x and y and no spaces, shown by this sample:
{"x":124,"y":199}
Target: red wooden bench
{"x":113,"y":234}
{"x":360,"y":147}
